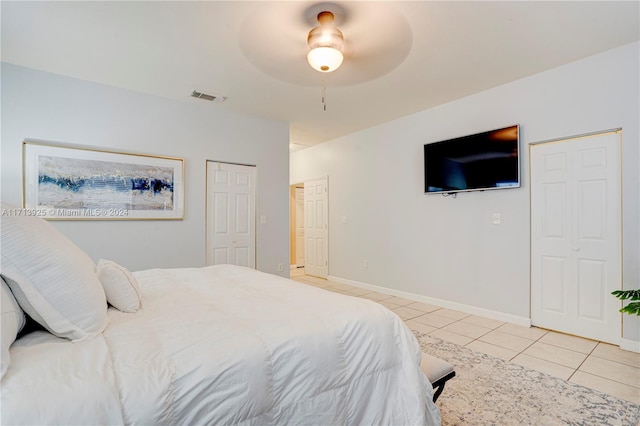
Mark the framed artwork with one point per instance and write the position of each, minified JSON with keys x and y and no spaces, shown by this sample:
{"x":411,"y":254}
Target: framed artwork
{"x":64,"y":182}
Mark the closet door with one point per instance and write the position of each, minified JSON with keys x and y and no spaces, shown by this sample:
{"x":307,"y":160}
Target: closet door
{"x":576,"y":236}
{"x":231,"y":226}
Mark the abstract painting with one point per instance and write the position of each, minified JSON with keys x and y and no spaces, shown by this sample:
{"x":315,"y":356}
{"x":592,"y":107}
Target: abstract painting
{"x":63,"y":182}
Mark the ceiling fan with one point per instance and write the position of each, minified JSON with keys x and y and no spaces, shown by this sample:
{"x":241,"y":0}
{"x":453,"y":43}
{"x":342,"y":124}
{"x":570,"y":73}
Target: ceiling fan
{"x":325,"y":44}
{"x":371,"y":38}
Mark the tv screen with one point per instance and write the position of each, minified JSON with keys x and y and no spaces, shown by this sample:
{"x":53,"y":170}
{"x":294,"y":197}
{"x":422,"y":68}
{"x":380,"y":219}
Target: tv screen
{"x":487,"y":160}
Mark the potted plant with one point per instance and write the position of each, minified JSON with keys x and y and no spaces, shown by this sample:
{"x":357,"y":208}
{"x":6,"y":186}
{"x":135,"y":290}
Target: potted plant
{"x":632,"y":308}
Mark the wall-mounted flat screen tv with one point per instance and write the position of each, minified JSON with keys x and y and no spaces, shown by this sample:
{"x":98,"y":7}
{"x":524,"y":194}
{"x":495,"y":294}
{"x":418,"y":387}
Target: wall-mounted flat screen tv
{"x":487,"y":160}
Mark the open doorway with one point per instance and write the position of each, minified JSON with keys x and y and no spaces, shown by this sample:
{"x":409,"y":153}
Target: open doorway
{"x":296,"y":229}
{"x":309,"y":227}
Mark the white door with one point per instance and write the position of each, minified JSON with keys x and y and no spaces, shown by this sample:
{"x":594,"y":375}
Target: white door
{"x":316,"y":228}
{"x":231,"y":226}
{"x":576,"y":236}
{"x":299,"y":227}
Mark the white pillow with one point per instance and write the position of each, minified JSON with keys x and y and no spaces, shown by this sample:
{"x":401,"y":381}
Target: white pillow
{"x":120,"y":286}
{"x":51,"y":278}
{"x":12,"y":322}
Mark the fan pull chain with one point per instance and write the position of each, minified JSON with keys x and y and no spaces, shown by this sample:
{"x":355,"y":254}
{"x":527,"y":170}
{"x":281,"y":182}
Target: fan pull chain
{"x":324,"y":93}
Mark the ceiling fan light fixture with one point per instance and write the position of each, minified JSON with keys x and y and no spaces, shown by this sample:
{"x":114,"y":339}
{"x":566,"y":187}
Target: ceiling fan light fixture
{"x":325,"y":59}
{"x":325,"y":44}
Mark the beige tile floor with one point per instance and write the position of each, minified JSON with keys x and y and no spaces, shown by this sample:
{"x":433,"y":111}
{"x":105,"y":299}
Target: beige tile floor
{"x":593,"y":364}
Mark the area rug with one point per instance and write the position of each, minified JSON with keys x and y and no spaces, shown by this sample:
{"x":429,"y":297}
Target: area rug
{"x":490,"y":391}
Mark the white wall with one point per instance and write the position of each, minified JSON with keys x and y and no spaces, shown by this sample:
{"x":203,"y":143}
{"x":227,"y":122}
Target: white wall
{"x":38,"y":105}
{"x":447,"y":248}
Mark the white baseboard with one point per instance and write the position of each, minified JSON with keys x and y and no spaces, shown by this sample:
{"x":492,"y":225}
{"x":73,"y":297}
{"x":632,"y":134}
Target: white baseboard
{"x":630,"y":345}
{"x":473,"y":310}
{"x":625,"y":344}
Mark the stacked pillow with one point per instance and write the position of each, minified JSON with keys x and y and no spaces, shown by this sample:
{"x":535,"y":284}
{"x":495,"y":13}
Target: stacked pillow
{"x":12,"y":322}
{"x":120,"y":286}
{"x":52,"y":279}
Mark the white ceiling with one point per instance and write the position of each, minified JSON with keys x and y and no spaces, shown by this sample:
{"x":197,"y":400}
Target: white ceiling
{"x":400,"y":57}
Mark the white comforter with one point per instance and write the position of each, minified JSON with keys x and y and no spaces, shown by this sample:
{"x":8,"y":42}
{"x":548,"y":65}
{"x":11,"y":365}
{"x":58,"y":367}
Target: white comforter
{"x":225,"y":345}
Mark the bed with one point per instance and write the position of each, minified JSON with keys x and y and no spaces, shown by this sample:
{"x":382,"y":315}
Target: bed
{"x":214,"y":345}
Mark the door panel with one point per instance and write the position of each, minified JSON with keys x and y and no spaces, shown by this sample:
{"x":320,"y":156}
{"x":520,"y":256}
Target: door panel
{"x":576,"y":236}
{"x":593,"y":202}
{"x":316,"y":228}
{"x":221,"y":213}
{"x":230,"y":214}
{"x":554,"y":210}
{"x":554,"y":278}
{"x":220,"y":256}
{"x":243,"y":214}
{"x":592,"y":289}
{"x":242,"y":256}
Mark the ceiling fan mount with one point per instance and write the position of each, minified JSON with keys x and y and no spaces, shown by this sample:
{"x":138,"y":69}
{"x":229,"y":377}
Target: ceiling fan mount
{"x":341,"y":15}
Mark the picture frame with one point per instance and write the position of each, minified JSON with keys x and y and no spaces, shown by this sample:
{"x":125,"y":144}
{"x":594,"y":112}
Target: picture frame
{"x":78,"y":183}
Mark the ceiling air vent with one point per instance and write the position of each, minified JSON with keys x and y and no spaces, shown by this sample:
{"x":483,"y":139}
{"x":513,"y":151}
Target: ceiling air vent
{"x":216,"y":99}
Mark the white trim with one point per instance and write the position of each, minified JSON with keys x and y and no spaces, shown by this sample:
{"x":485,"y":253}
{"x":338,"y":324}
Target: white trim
{"x":473,"y":310}
{"x":630,"y":345}
{"x":584,"y":135}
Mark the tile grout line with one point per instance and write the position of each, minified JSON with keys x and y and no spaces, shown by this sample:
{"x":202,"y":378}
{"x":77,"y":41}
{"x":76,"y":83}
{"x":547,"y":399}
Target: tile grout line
{"x":477,"y":339}
{"x":583,"y":361}
{"x":533,"y":343}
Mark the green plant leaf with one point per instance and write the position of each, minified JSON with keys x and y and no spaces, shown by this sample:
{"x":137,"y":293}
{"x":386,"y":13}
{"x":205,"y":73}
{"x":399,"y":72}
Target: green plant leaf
{"x":632,"y":308}
{"x":627,"y":294}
